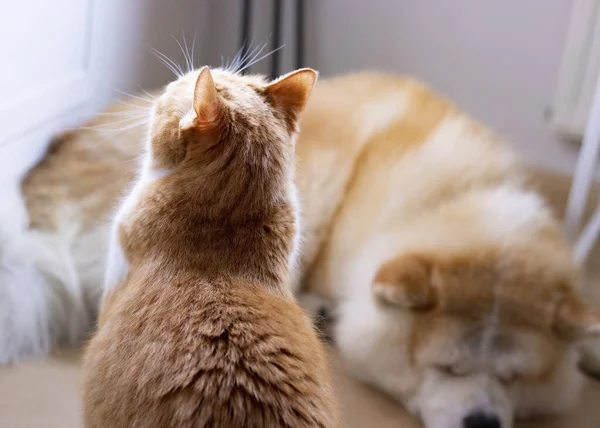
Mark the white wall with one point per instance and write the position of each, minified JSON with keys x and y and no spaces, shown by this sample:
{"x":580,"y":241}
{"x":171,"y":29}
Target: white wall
{"x":105,"y":43}
{"x":498,"y":59}
{"x":223,"y":31}
{"x":123,"y":33}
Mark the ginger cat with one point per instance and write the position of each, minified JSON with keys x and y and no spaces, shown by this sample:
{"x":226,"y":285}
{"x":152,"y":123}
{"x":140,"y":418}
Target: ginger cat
{"x":198,"y":326}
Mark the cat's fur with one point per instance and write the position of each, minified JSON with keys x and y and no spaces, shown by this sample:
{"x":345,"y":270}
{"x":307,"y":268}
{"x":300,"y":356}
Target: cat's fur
{"x":199,"y":327}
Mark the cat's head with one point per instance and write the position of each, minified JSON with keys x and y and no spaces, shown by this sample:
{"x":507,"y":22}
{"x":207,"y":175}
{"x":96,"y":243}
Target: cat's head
{"x":206,"y":113}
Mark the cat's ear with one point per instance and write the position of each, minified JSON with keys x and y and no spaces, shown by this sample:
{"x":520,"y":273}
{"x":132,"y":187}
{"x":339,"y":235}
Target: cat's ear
{"x":207,"y":104}
{"x":291,"y":92}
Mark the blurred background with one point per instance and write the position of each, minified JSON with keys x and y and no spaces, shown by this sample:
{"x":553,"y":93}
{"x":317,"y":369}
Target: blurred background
{"x":525,"y":68}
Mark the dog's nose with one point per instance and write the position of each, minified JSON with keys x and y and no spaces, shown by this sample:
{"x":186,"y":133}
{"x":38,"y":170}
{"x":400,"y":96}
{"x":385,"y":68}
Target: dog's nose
{"x":481,"y":420}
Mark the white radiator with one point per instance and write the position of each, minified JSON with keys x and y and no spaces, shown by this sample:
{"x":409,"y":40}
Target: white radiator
{"x":579,"y":70}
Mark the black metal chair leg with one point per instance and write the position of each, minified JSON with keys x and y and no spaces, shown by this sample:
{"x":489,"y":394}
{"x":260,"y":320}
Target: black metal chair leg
{"x":277,"y":23}
{"x":300,"y":9}
{"x":246,"y":27}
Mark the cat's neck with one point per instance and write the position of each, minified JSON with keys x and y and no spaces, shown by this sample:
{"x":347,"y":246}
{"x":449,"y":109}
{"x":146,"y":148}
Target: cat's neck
{"x":258,"y":247}
{"x":230,"y":184}
{"x":235,"y":221}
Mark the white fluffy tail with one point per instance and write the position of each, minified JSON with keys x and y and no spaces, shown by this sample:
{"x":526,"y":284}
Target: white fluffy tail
{"x":41,"y":302}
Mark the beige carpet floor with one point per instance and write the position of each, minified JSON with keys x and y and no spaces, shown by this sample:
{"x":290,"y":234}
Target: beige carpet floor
{"x":45,"y":393}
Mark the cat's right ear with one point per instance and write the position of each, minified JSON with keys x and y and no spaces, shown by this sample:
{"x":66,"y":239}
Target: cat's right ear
{"x":207,"y":104}
{"x":291,"y":92}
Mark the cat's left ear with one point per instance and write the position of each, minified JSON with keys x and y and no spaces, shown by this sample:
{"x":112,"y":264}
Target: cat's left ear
{"x":291,"y":92}
{"x":207,"y":104}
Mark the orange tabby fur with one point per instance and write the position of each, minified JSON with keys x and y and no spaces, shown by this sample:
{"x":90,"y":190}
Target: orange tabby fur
{"x":203,"y":330}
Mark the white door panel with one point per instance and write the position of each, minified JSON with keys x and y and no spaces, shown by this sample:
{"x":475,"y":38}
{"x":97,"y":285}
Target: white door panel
{"x":45,"y":52}
{"x":63,"y":60}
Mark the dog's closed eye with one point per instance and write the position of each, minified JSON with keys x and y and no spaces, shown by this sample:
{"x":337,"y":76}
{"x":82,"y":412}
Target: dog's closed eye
{"x":456,"y":370}
{"x":507,"y":377}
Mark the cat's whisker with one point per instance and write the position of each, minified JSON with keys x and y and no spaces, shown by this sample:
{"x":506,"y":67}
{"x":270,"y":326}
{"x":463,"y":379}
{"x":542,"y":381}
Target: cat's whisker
{"x":133,"y":106}
{"x":193,"y":47}
{"x":153,"y":97}
{"x":110,"y":126}
{"x":169,"y":66}
{"x":187,"y":61}
{"x":134,"y":159}
{"x":250,"y":56}
{"x":119,"y":131}
{"x":189,"y":57}
{"x":137,"y":97}
{"x":242,"y":56}
{"x":174,"y":63}
{"x":118,"y":121}
{"x":240,"y":53}
{"x":168,"y":62}
{"x":114,"y":134}
{"x":235,"y":63}
{"x":124,"y":114}
{"x":254,"y":61}
{"x":258,"y":53}
{"x":127,"y":117}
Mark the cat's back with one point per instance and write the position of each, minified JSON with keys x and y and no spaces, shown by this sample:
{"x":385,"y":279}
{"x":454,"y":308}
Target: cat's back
{"x":191,"y":353}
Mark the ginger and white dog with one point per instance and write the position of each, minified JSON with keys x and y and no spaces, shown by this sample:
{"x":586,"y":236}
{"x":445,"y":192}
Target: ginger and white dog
{"x":453,"y":288}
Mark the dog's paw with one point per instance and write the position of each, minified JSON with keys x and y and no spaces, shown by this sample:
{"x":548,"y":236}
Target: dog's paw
{"x":590,"y":358}
{"x":321,"y":311}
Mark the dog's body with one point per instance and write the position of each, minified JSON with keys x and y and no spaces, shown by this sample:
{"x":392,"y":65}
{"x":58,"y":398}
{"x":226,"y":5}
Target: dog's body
{"x":418,"y":227}
{"x":448,"y":274}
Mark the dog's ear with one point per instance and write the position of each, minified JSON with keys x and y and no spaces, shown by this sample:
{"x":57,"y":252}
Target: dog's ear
{"x":406,"y":282}
{"x":576,"y":319}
